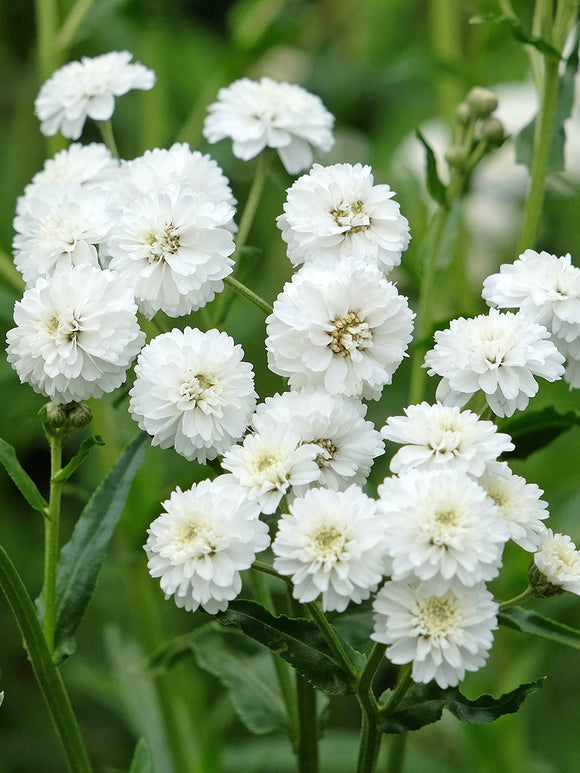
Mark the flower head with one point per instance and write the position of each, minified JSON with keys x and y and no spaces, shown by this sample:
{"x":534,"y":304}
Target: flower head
{"x":91,"y":165}
{"x":340,"y":326}
{"x":557,"y":564}
{"x":337,"y":210}
{"x":443,"y":437}
{"x":194,"y":392}
{"x":497,"y":353}
{"x":442,"y":634}
{"x":265,"y":113}
{"x":332,"y":543}
{"x":75,"y":335}
{"x":88,"y":89}
{"x":202,"y":541}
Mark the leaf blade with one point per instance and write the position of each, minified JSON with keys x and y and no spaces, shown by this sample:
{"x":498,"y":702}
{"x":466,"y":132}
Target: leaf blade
{"x":21,"y":478}
{"x":530,"y":622}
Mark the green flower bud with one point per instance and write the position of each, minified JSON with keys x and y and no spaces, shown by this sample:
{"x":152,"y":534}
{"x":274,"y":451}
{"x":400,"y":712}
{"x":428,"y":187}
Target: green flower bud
{"x":62,"y":420}
{"x":541,"y":586}
{"x":463,"y":114}
{"x":456,"y":156}
{"x":492,"y":130}
{"x":482,"y":101}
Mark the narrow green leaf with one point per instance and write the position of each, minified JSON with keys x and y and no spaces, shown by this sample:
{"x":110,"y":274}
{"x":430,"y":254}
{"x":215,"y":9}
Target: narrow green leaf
{"x":246,"y":669}
{"x":81,"y":558}
{"x":141,"y":762}
{"x":423,"y":704}
{"x":436,"y":188}
{"x":78,"y":458}
{"x":526,"y":621}
{"x":1,"y":698}
{"x":21,"y":478}
{"x":533,"y":430}
{"x":298,"y":641}
{"x":517,"y":30}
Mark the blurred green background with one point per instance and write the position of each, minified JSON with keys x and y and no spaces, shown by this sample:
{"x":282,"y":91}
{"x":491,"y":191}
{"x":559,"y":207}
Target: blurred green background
{"x":382,"y":68}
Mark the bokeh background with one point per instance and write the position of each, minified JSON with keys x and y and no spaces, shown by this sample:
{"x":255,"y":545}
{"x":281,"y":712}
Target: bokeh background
{"x":382,"y":67}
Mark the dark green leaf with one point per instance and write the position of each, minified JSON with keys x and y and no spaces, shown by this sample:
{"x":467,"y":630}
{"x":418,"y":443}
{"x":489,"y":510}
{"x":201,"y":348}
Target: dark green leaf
{"x":1,"y":698}
{"x":423,"y":704}
{"x":298,"y":641}
{"x":81,"y":558}
{"x":533,"y":430}
{"x":21,"y":479}
{"x":517,"y":30}
{"x":141,"y":762}
{"x":526,"y":621}
{"x":246,"y":669}
{"x":436,"y":188}
{"x":78,"y":458}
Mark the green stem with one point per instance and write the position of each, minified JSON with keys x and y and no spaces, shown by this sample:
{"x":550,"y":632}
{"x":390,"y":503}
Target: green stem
{"x":333,"y":641}
{"x":519,"y":599}
{"x":51,"y":541}
{"x":538,"y":170}
{"x":72,"y":22}
{"x":370,"y":739}
{"x":45,"y":671}
{"x":248,"y":294}
{"x":47,"y":25}
{"x":401,"y":688}
{"x":307,"y":748}
{"x":252,"y":202}
{"x":397,"y":753}
{"x":106,"y":129}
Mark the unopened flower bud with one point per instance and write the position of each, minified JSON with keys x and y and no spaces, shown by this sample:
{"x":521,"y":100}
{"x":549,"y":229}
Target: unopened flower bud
{"x":80,"y":416}
{"x":541,"y":586}
{"x":59,"y":420}
{"x":482,"y":101}
{"x":493,"y":131}
{"x":463,"y":113}
{"x":456,"y":156}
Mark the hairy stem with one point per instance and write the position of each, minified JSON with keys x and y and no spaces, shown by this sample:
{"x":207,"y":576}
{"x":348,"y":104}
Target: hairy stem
{"x":51,"y":541}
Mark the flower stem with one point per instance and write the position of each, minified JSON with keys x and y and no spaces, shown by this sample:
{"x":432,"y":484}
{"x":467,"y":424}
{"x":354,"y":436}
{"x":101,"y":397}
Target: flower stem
{"x":370,"y":739}
{"x":517,"y":600}
{"x":51,"y":541}
{"x":250,"y":295}
{"x":333,"y":641}
{"x":307,"y":748}
{"x":106,"y":129}
{"x":252,"y":202}
{"x":45,"y":671}
{"x":397,"y":753}
{"x":72,"y":22}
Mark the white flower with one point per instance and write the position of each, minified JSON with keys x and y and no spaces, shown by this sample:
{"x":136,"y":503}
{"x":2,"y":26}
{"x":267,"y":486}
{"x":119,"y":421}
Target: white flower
{"x":200,"y":544}
{"x":441,"y":527}
{"x":443,"y":635}
{"x":546,"y":288}
{"x":518,"y":502}
{"x":268,"y":464}
{"x":331,"y":543}
{"x":341,"y":326}
{"x":173,"y":248}
{"x":347,"y":444}
{"x":61,"y":225}
{"x":88,"y":165}
{"x":265,"y":113}
{"x":336,"y":210}
{"x":87,"y":88}
{"x":497,"y":353}
{"x":558,"y":560}
{"x":194,"y":392}
{"x":76,"y":334}
{"x":437,"y":437}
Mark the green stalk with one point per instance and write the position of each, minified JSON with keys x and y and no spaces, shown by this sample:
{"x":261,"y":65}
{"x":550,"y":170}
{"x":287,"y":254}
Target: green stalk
{"x":51,"y":540}
{"x":45,"y":671}
{"x":47,"y":26}
{"x":106,"y":129}
{"x":72,"y":22}
{"x":521,"y":598}
{"x":248,"y":294}
{"x":333,"y":641}
{"x":307,"y":748}
{"x":397,"y":753}
{"x":370,"y":739}
{"x":252,"y":202}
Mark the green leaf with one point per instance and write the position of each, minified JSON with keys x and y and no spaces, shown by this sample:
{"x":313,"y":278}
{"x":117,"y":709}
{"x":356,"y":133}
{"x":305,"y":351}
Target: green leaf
{"x":526,"y":621}
{"x":1,"y":698}
{"x":78,"y":458}
{"x":298,"y":641}
{"x":81,"y":558}
{"x":423,"y":704}
{"x":21,"y":478}
{"x":518,"y":32}
{"x":141,"y":762}
{"x":534,"y":430}
{"x":436,"y":188}
{"x":246,"y":669}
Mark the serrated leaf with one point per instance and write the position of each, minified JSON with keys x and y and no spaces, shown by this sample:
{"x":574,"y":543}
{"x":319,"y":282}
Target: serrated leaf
{"x":21,"y":478}
{"x":81,"y":558}
{"x":78,"y":458}
{"x":298,"y":641}
{"x":526,"y":621}
{"x":141,"y":762}
{"x":246,"y":669}
{"x":423,"y":704}
{"x":534,"y":430}
{"x":437,"y":190}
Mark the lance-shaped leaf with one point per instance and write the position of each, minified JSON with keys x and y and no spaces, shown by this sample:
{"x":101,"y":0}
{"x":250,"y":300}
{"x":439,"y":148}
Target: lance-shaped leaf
{"x":518,"y":31}
{"x":81,"y":558}
{"x":527,"y":621}
{"x":141,"y":762}
{"x":436,"y":188}
{"x":78,"y":458}
{"x":21,"y":478}
{"x":534,"y":430}
{"x":423,"y":704}
{"x":299,"y":642}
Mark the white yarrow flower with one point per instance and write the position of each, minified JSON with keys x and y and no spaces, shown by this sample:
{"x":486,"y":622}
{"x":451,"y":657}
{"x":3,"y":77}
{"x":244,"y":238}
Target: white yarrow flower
{"x":341,"y":326}
{"x":558,"y":561}
{"x":88,"y":89}
{"x":337,"y":210}
{"x":499,"y":354}
{"x":331,"y":544}
{"x":200,"y":544}
{"x":436,"y":437}
{"x":91,"y":165}
{"x":442,"y":634}
{"x":442,"y":528}
{"x":265,"y":113}
{"x":76,"y":334}
{"x":193,"y":391}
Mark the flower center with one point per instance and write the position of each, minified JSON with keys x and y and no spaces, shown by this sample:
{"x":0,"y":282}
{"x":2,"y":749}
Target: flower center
{"x":352,"y":216}
{"x":64,"y":331}
{"x":162,"y":243}
{"x":437,"y":617}
{"x":328,"y":543}
{"x":265,"y":462}
{"x":443,"y":526}
{"x":445,"y":440}
{"x":195,"y":386}
{"x":194,"y":538}
{"x":350,"y":334}
{"x":327,"y":451}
